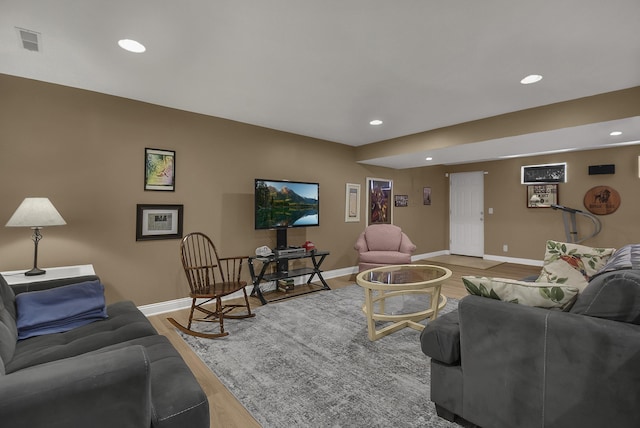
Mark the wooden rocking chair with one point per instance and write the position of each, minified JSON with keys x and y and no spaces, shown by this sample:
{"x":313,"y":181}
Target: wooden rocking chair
{"x":210,"y":277}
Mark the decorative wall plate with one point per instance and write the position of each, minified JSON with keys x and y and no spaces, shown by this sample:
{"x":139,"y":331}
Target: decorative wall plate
{"x":602,"y":200}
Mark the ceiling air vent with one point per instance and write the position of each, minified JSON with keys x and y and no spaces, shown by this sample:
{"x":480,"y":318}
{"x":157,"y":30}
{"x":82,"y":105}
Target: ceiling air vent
{"x":30,"y":40}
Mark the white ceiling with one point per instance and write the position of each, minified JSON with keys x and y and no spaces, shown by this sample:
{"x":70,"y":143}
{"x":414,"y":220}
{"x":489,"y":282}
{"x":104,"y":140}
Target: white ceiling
{"x":325,"y":68}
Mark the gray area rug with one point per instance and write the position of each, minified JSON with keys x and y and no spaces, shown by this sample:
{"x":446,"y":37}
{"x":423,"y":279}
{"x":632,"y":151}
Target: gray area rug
{"x":307,"y":362}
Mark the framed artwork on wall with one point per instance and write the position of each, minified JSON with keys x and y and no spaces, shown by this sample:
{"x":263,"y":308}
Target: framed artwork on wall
{"x":352,"y":203}
{"x":542,"y":195}
{"x":426,"y":196}
{"x":379,"y":207}
{"x":401,"y":200}
{"x":158,"y":222}
{"x":602,"y":200}
{"x":547,"y":173}
{"x":159,"y":169}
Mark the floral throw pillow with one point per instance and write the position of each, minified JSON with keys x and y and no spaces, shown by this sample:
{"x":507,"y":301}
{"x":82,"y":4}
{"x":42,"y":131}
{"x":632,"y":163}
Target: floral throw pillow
{"x":572,"y":264}
{"x":522,"y":292}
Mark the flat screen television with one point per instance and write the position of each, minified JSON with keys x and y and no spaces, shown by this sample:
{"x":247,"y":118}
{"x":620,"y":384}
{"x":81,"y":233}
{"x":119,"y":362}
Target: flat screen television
{"x":282,"y":204}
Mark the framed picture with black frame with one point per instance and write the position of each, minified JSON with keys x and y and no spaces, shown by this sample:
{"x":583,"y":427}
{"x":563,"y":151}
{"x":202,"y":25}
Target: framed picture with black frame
{"x":159,"y":169}
{"x":158,"y":222}
{"x":401,"y":200}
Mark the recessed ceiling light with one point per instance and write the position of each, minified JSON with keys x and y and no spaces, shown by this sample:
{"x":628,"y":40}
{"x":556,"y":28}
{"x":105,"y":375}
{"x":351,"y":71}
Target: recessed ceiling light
{"x":615,"y":133}
{"x":131,"y":46}
{"x":532,"y":78}
{"x":375,"y":122}
{"x":428,"y":158}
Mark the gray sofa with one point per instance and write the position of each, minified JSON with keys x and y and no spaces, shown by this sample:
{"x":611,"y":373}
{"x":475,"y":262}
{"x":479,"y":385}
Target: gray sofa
{"x":115,"y":372}
{"x":499,"y":364}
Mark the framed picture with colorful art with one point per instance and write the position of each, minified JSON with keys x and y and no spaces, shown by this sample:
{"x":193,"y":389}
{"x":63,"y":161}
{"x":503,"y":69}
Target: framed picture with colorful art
{"x":159,"y":169}
{"x":379,"y":201}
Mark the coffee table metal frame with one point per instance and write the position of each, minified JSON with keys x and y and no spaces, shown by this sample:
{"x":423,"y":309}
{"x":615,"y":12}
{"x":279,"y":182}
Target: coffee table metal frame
{"x":377,"y":292}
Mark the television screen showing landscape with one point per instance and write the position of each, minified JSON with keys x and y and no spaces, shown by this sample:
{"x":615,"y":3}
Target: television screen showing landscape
{"x":280,"y":204}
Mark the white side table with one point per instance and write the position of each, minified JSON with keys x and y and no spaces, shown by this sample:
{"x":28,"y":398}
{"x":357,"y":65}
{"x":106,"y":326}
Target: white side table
{"x":18,"y":277}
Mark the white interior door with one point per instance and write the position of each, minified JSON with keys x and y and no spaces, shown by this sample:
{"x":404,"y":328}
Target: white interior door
{"x":466,"y":213}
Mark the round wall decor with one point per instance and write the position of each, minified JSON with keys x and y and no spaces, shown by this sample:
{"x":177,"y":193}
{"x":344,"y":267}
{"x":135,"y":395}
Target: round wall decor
{"x":602,"y":200}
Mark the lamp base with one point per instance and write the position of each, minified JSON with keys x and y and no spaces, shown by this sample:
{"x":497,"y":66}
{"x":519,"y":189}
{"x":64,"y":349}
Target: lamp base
{"x":34,"y":272}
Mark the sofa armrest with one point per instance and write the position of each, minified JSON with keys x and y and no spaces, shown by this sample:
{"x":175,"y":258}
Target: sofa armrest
{"x":110,"y":389}
{"x":52,"y":283}
{"x":406,"y":246}
{"x":546,"y":367}
{"x":361,"y":244}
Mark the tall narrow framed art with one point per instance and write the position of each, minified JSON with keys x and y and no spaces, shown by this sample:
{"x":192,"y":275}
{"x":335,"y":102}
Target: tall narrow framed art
{"x":379,"y":201}
{"x":352,"y":203}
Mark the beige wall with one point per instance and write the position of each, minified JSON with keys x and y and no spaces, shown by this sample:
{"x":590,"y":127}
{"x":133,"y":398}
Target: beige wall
{"x":525,"y":230}
{"x":85,"y":151}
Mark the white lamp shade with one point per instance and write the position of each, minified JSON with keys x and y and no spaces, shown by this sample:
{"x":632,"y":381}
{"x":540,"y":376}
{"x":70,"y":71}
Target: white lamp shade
{"x":36,"y":212}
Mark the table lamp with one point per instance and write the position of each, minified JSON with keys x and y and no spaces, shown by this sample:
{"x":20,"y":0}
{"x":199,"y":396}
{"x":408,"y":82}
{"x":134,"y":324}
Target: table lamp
{"x":36,"y":213}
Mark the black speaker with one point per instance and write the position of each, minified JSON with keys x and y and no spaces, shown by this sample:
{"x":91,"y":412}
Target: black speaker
{"x":602,"y":169}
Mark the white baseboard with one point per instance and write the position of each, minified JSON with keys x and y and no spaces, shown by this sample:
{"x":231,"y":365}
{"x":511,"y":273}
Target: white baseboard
{"x":185,"y":302}
{"x":528,"y":262}
{"x":429,"y":255}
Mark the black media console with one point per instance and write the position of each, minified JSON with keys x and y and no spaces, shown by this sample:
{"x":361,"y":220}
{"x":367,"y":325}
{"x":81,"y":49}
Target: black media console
{"x":281,"y":261}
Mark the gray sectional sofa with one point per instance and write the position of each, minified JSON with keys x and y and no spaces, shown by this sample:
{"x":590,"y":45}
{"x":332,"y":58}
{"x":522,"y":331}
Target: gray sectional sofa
{"x":114,"y":372}
{"x":499,"y":364}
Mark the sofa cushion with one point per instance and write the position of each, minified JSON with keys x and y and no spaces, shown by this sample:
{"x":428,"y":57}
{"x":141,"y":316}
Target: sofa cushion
{"x":111,"y":389}
{"x":440,"y":339}
{"x":613,"y":295}
{"x":383,"y":237}
{"x":59,"y":309}
{"x":627,"y":257}
{"x":542,"y":295}
{"x":124,"y":322}
{"x":177,"y":399}
{"x":572,"y":264}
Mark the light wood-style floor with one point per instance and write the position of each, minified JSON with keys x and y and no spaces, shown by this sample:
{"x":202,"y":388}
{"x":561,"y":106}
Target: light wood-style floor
{"x":226,"y":411}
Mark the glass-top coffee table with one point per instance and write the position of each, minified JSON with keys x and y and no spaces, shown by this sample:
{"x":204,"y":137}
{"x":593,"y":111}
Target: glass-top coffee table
{"x":386,"y":282}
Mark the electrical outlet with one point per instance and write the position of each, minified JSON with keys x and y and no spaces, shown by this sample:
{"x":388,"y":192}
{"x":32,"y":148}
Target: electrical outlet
{"x":505,"y":248}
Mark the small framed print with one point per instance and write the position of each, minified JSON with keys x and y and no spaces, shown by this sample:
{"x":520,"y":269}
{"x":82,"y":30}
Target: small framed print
{"x":158,"y":222}
{"x":401,"y":200}
{"x":542,"y":195}
{"x":352,"y":203}
{"x":159,"y":169}
{"x":426,"y":196}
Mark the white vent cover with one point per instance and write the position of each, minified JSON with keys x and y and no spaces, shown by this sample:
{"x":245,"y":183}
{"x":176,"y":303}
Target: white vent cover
{"x":29,"y":40}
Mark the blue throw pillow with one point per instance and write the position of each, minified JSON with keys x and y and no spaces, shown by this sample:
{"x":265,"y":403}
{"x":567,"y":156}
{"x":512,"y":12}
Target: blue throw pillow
{"x":59,"y":309}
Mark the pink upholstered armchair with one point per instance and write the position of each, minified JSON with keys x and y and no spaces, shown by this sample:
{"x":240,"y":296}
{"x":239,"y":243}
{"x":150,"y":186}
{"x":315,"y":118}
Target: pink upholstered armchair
{"x":383,"y":244}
